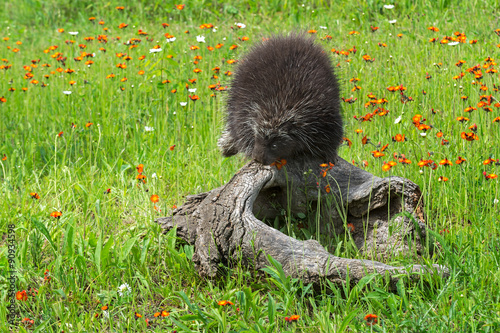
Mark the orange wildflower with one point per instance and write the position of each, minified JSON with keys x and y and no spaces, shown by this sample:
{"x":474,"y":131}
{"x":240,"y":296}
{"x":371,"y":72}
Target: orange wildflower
{"x":140,"y":168}
{"x":371,"y":319}
{"x":445,"y":162}
{"x":292,"y":318}
{"x":155,"y":198}
{"x":28,"y":323}
{"x":22,"y":295}
{"x":399,"y":138}
{"x":490,"y":176}
{"x":349,"y":142}
{"x":469,"y":136}
{"x":279,"y":164}
{"x":386,"y":167}
{"x":489,"y":161}
{"x":56,"y":214}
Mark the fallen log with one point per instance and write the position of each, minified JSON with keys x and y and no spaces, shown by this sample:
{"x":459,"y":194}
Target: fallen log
{"x":384,"y":215}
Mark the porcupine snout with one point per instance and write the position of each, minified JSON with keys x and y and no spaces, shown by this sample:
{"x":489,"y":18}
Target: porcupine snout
{"x":269,"y":149}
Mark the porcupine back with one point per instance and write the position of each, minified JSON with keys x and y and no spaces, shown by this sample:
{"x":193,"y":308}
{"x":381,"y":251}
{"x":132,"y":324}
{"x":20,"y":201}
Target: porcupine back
{"x":284,"y":103}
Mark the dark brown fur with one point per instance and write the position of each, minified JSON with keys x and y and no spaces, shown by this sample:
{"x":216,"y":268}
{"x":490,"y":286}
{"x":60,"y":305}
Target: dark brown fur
{"x":284,"y":103}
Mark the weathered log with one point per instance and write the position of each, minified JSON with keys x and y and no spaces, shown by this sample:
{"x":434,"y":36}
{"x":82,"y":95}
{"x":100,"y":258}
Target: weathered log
{"x":222,"y":226}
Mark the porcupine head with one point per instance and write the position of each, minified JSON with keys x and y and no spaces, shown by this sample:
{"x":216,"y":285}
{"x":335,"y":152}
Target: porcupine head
{"x":284,"y":103}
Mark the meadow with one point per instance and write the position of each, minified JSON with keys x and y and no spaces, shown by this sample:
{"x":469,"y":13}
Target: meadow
{"x":110,"y":115}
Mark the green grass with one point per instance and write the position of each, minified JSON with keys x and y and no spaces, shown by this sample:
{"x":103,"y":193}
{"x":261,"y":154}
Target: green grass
{"x":103,"y":240}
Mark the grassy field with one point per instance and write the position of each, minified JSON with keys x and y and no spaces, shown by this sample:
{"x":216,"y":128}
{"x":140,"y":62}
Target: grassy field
{"x":110,"y":115}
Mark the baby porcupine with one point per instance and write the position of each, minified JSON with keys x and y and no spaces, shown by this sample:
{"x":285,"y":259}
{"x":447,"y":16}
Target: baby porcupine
{"x":284,"y":103}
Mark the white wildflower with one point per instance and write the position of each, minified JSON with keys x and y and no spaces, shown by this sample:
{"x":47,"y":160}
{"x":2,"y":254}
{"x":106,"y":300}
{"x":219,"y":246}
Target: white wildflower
{"x":241,"y":25}
{"x":124,"y":289}
{"x":154,"y":175}
{"x":322,"y":27}
{"x":423,"y":134}
{"x":74,"y":33}
{"x":183,"y":103}
{"x":200,"y":39}
{"x":392,"y":21}
{"x":388,"y":6}
{"x":192,"y":90}
{"x":155,"y":50}
{"x":149,"y":129}
{"x":495,"y":201}
{"x":453,"y":43}
{"x":170,"y":40}
{"x":398,"y":120}
{"x":66,"y":92}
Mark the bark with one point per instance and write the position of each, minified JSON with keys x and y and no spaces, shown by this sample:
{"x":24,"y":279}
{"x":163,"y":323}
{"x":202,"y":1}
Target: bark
{"x":386,"y":216}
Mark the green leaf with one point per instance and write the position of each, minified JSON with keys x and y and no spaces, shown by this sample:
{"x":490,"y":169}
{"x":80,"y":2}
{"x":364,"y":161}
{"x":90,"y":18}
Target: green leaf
{"x":69,"y":239}
{"x":271,"y":308}
{"x":172,"y":62}
{"x":181,"y":325}
{"x":105,"y":251}
{"x":144,"y":252}
{"x":347,"y":320}
{"x":97,"y":254}
{"x":43,"y":230}
{"x":127,"y":247}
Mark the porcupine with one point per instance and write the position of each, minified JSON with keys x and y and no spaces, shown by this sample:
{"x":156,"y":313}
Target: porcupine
{"x":284,"y":103}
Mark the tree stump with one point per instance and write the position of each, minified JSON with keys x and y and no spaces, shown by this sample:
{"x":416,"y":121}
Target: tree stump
{"x":386,"y":216}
